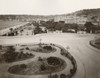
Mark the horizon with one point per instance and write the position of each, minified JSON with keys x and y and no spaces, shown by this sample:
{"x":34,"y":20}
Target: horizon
{"x":51,"y":14}
{"x":45,"y":7}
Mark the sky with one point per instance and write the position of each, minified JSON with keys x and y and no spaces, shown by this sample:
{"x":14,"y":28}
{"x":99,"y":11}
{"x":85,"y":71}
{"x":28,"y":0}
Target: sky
{"x":45,"y":7}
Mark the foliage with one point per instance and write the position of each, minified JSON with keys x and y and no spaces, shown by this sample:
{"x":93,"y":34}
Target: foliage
{"x":42,"y":67}
{"x":27,"y":48}
{"x":89,"y":27}
{"x":0,"y":47}
{"x":40,"y":59}
{"x":11,"y":48}
{"x":23,"y":66}
{"x":11,"y":56}
{"x":37,"y":30}
{"x":53,"y":61}
{"x":47,"y":47}
{"x":62,"y":76}
{"x":53,"y":76}
{"x":61,"y":25}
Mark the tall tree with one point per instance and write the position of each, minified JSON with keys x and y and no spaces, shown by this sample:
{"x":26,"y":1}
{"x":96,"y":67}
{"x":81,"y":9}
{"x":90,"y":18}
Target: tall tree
{"x":37,"y":30}
{"x":89,"y":27}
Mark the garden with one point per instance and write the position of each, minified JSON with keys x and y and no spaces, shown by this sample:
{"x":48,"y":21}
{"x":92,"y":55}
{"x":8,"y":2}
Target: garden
{"x":40,"y":66}
{"x":50,"y":64}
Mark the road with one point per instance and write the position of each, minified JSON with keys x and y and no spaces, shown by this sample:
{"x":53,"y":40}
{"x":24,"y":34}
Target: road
{"x":86,"y":56}
{"x":6,"y":30}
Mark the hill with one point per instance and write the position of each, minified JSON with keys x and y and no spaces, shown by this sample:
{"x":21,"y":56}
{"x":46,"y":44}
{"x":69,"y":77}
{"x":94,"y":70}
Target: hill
{"x":79,"y":17}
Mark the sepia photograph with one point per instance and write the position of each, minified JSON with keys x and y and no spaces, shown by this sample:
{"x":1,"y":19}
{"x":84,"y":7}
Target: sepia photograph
{"x":49,"y":38}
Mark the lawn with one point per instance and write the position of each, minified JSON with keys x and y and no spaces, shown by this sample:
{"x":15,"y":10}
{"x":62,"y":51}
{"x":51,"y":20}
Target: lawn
{"x":39,"y":67}
{"x":95,"y":43}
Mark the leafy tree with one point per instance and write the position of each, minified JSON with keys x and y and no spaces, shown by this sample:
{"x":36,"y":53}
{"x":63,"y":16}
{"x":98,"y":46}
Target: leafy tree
{"x":88,"y":26}
{"x":37,"y":30}
{"x":11,"y":33}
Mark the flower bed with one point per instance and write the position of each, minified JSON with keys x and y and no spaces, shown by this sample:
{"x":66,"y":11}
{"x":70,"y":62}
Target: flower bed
{"x":37,"y":67}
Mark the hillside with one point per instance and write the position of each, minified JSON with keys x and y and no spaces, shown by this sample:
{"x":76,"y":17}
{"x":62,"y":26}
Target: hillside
{"x":80,"y":16}
{"x":89,"y":12}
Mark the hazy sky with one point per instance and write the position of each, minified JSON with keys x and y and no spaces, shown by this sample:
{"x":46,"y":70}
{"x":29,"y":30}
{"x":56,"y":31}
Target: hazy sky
{"x":45,"y":7}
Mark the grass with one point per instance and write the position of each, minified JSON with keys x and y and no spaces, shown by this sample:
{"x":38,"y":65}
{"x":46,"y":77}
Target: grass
{"x":9,"y":54}
{"x":36,"y":48}
{"x":95,"y":43}
{"x":33,"y":68}
{"x":42,"y":50}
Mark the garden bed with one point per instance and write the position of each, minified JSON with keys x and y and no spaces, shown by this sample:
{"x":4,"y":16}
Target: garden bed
{"x":96,"y":45}
{"x":9,"y":54}
{"x":42,"y":48}
{"x":38,"y":67}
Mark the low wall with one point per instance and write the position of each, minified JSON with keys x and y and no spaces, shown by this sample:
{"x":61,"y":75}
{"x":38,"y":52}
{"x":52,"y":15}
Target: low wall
{"x":92,"y":43}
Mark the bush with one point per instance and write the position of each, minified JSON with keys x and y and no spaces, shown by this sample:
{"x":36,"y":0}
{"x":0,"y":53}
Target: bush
{"x":27,"y":48}
{"x":47,"y":47}
{"x":11,"y":49}
{"x":55,"y":76}
{"x":31,"y":54}
{"x":40,"y":59}
{"x":63,"y":76}
{"x":72,"y":71}
{"x":9,"y":56}
{"x":23,"y":66}
{"x":69,"y":76}
{"x":42,"y":67}
{"x":0,"y":47}
{"x":53,"y":61}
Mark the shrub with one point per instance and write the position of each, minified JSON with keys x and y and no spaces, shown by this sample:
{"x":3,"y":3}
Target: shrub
{"x":23,"y":66}
{"x":47,"y":47}
{"x":0,"y":47}
{"x":55,"y":76}
{"x":63,"y":76}
{"x":40,"y":59}
{"x":27,"y":48}
{"x":69,"y":76}
{"x":11,"y":49}
{"x":40,"y":49}
{"x":9,"y":56}
{"x":31,"y":54}
{"x":53,"y":61}
{"x":42,"y":67}
{"x":72,"y":71}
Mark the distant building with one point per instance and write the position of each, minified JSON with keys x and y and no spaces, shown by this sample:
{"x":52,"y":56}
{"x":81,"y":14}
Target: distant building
{"x":71,"y":19}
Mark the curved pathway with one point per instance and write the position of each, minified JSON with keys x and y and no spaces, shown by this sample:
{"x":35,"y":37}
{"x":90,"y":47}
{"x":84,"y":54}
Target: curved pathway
{"x":37,"y":54}
{"x":87,"y":57}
